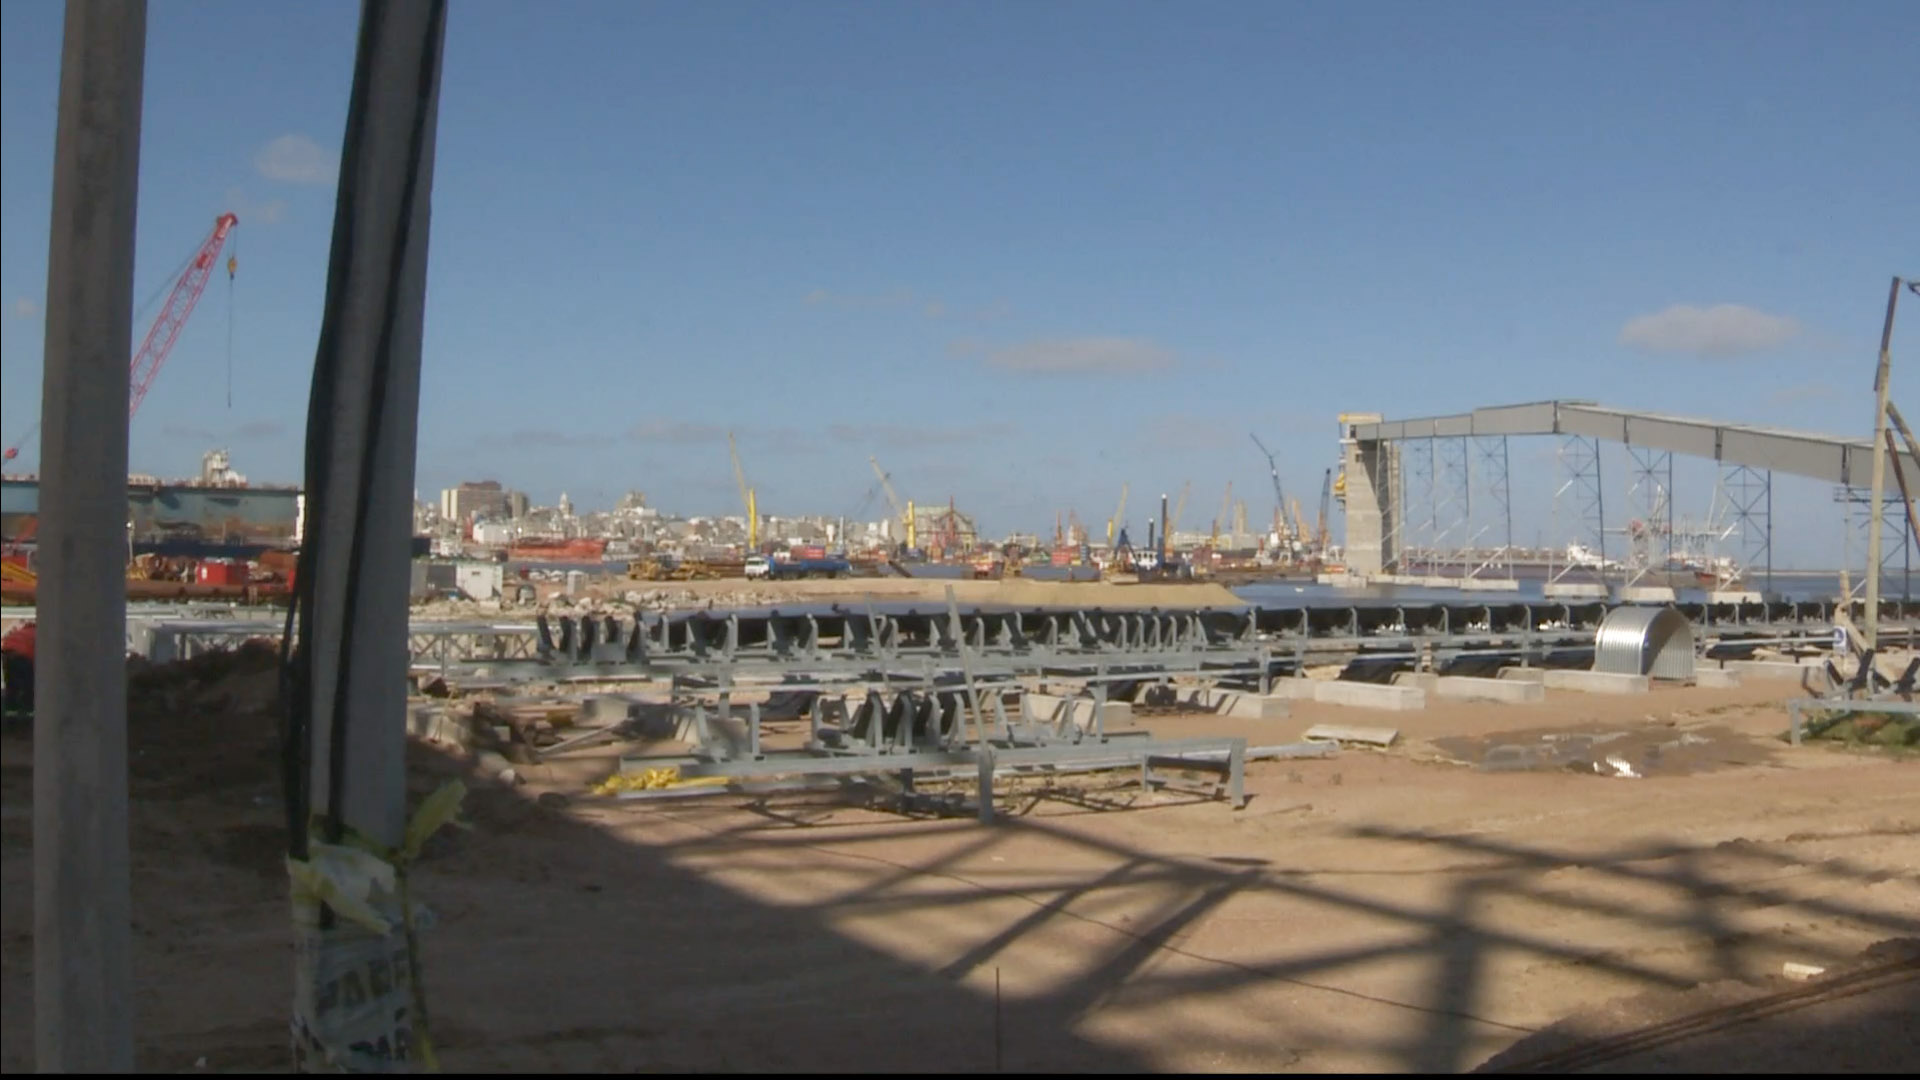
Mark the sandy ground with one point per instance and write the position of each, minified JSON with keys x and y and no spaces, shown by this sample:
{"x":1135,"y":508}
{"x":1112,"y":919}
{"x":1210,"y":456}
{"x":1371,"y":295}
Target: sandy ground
{"x":1391,"y":910}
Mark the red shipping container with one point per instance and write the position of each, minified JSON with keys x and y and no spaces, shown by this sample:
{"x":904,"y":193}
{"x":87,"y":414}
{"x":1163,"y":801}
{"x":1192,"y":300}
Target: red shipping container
{"x":220,"y":572}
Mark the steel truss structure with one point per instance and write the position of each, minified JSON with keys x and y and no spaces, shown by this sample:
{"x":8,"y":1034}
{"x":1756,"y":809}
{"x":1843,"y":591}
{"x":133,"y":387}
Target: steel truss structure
{"x":1896,"y":541}
{"x":937,"y":729}
{"x":906,"y":644}
{"x":1492,"y":511}
{"x":1749,"y":494}
{"x":1580,"y":501}
{"x":1457,"y":508}
{"x":1650,"y":501}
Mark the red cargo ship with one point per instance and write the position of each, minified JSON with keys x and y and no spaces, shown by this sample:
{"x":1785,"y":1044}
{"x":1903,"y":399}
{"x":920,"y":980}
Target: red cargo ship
{"x":579,"y":550}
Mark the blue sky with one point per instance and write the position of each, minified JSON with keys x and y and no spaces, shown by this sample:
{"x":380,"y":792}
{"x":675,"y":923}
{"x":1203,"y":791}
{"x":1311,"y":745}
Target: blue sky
{"x":1026,"y":252}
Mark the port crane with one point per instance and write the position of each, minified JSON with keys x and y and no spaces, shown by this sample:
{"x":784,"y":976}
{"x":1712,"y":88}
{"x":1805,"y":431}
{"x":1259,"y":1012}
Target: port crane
{"x":1279,"y":496}
{"x":902,"y":514}
{"x":1179,"y":507}
{"x":1118,"y":521}
{"x":1323,"y":540}
{"x":1226,"y":507}
{"x":746,"y":496}
{"x":155,"y":347}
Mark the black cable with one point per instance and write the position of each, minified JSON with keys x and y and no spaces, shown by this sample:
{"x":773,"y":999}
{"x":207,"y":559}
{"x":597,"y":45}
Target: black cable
{"x":297,"y":653}
{"x":376,"y":414}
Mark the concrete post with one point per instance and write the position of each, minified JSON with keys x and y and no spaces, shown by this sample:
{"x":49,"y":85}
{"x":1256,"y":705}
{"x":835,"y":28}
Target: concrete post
{"x":1877,"y":512}
{"x":82,"y":902}
{"x":1372,"y":496}
{"x":362,"y":420}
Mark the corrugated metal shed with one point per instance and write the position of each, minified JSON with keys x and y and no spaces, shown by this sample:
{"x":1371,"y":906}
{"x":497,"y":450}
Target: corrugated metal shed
{"x":1645,"y":640}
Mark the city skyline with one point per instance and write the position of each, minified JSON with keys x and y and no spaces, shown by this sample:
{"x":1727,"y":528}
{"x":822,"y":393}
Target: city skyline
{"x":1024,"y":254}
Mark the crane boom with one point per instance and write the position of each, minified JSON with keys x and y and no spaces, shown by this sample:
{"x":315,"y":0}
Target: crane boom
{"x":746,"y":495}
{"x":1118,"y":521}
{"x":173,"y":314}
{"x":168,"y":324}
{"x":904,"y":515}
{"x":1326,"y":495}
{"x":886,"y":487}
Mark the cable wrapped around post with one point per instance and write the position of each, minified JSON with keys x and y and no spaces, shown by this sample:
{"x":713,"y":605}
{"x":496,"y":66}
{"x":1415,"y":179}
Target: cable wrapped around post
{"x":357,"y":996}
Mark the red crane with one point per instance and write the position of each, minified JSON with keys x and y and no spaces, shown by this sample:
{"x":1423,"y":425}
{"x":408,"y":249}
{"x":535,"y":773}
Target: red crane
{"x":172,"y":318}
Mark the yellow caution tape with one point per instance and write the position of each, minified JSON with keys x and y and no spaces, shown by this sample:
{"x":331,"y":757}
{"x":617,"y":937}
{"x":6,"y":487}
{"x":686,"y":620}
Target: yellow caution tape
{"x":654,"y":780}
{"x":345,"y":876}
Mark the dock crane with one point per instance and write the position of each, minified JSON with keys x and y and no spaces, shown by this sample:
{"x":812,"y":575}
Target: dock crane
{"x":1226,"y":507}
{"x":1326,"y":496}
{"x":1279,"y":496}
{"x":1118,"y":521}
{"x":155,"y":347}
{"x":746,"y":496}
{"x":904,"y":515}
{"x":1179,"y":507}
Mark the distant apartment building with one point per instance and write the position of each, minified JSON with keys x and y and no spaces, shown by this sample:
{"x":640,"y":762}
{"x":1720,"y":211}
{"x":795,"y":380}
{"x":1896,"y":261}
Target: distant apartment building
{"x":482,"y":499}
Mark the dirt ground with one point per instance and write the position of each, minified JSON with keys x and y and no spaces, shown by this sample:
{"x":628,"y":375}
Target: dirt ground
{"x":1413,"y":909}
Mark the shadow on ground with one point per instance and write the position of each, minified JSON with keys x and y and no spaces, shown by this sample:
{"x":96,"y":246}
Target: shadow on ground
{"x":561,"y":946}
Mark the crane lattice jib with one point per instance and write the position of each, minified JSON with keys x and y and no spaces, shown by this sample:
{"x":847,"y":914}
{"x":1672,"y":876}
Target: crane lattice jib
{"x":173,"y":316}
{"x":886,"y":488}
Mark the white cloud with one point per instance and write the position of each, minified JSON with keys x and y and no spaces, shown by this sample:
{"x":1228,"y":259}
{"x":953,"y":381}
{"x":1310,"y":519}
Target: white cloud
{"x":1722,"y":330}
{"x":1086,"y":355}
{"x":26,"y":307}
{"x":296,"y":159}
{"x":252,"y":212}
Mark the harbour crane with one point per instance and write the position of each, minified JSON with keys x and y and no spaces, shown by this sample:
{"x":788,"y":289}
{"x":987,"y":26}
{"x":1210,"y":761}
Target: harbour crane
{"x":1326,"y":496}
{"x":1179,"y":507}
{"x":746,"y":496}
{"x":904,"y":515}
{"x":155,"y":347}
{"x":1279,"y":496}
{"x":1300,"y":531}
{"x":1118,"y":520}
{"x":1226,"y":507}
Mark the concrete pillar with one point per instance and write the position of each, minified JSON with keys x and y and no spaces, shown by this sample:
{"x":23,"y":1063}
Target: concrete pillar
{"x":1373,"y":487}
{"x":355,"y":566}
{"x":82,"y":894}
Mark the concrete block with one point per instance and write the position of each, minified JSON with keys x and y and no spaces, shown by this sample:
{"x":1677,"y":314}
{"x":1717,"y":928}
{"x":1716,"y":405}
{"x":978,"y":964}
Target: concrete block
{"x":1425,"y":680}
{"x":1647,"y":594}
{"x":1524,"y":674}
{"x":1511,"y":691}
{"x":1574,"y":589}
{"x":1598,"y":682}
{"x":1054,"y":709}
{"x":1490,"y":585}
{"x":1775,"y":669}
{"x":1361,"y":695}
{"x":1712,"y":676}
{"x":435,"y":724}
{"x":1339,"y":733}
{"x":1294,"y":689}
{"x":1243,"y":705}
{"x":605,"y":709}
